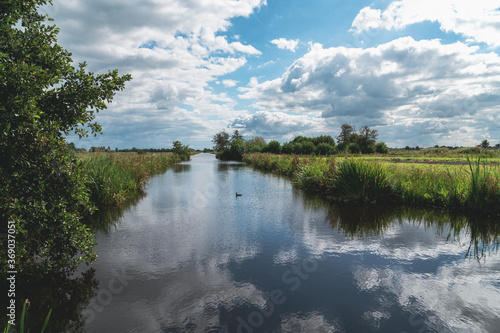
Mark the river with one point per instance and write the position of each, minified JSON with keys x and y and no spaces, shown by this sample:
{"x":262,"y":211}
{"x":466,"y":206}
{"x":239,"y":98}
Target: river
{"x":191,"y":256}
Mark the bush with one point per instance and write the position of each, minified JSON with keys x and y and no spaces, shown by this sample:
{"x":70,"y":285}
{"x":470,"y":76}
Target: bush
{"x":342,"y":147}
{"x":324,"y":149}
{"x":297,"y":148}
{"x":370,"y":149}
{"x":274,"y":147}
{"x":237,"y":150}
{"x":381,"y":148}
{"x":308,"y":147}
{"x":287,"y":148}
{"x":353,"y":148}
{"x":324,"y":139}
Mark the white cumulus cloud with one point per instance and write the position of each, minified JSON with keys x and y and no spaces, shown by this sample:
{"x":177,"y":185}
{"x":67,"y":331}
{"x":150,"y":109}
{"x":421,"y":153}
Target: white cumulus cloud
{"x":477,"y":20}
{"x":286,"y":44}
{"x":229,"y":83}
{"x":173,"y":50}
{"x":446,"y":89}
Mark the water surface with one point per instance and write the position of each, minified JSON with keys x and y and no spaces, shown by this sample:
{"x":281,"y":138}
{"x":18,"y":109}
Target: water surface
{"x":192,"y":257}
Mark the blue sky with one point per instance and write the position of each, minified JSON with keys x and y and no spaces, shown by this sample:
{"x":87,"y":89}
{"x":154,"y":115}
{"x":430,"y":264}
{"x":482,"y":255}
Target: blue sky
{"x":420,"y":72}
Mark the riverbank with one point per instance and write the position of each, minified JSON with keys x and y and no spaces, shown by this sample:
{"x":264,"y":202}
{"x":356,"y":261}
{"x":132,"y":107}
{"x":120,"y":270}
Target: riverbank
{"x":470,"y":187}
{"x":113,"y":179}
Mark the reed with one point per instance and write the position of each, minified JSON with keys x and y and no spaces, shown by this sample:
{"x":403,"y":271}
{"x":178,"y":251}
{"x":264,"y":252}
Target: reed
{"x":484,"y":185}
{"x":362,"y":181}
{"x":472,"y":187}
{"x":112,"y":179}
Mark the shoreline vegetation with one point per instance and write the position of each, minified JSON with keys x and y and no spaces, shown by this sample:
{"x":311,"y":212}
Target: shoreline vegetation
{"x":357,"y":168}
{"x":469,"y":183}
{"x":115,"y":178}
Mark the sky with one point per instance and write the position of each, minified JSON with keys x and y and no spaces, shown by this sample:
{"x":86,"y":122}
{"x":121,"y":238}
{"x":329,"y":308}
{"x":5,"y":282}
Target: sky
{"x":421,"y":72}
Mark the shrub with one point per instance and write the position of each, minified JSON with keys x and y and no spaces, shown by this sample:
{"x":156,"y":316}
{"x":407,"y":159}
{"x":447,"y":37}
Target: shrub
{"x":308,"y":147}
{"x":274,"y":147}
{"x":370,"y":149}
{"x":297,"y":148}
{"x":353,"y":148}
{"x":342,"y":147}
{"x":381,"y":148}
{"x":324,"y":149}
{"x":324,"y":139}
{"x":287,"y":148}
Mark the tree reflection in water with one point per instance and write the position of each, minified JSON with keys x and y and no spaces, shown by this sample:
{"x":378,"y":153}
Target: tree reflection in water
{"x":66,"y":296}
{"x":361,"y":221}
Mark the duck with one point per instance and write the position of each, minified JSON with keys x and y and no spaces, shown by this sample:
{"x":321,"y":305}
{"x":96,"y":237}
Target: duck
{"x":238,"y":195}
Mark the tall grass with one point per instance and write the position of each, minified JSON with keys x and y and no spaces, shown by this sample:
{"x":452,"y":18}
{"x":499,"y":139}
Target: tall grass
{"x":474,"y":187}
{"x":113,"y":179}
{"x":484,"y":186}
{"x":362,"y":181}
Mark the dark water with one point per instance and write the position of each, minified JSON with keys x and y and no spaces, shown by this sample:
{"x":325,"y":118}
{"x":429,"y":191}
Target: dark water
{"x":192,"y":257}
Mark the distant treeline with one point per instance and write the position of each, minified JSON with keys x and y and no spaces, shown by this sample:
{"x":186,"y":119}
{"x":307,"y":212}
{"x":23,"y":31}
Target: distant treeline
{"x":232,"y":147}
{"x":103,"y":149}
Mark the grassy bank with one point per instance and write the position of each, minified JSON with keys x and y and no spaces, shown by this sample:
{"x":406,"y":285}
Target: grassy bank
{"x":115,"y":178}
{"x":473,"y":185}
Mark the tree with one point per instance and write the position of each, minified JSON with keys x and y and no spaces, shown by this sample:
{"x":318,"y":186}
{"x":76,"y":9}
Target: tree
{"x":236,"y":136}
{"x":381,"y":148}
{"x":255,"y":144}
{"x":367,"y":137}
{"x":353,"y":148}
{"x":221,"y":141}
{"x":485,"y":144}
{"x":287,"y":148}
{"x":324,"y":139}
{"x":324,"y":149}
{"x":274,"y":147}
{"x":297,"y":148}
{"x":308,"y":147}
{"x":236,"y":150}
{"x":181,"y":150}
{"x":44,"y":98}
{"x":346,"y":132}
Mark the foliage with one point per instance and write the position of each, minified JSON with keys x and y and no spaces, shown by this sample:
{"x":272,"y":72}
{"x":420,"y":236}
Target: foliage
{"x":381,"y":148}
{"x":474,"y":187}
{"x":485,"y":144}
{"x":236,"y":136}
{"x":367,"y":137}
{"x":349,"y":142}
{"x":484,"y":186}
{"x":43,"y":98}
{"x":274,"y":147}
{"x":346,"y":133}
{"x":255,"y":144}
{"x":181,"y":150}
{"x":354,"y":148}
{"x":113,"y":179}
{"x":221,"y":141}
{"x":324,"y":149}
{"x":287,"y":148}
{"x":308,"y":148}
{"x":323,"y":139}
{"x":361,"y":181}
{"x":22,"y":321}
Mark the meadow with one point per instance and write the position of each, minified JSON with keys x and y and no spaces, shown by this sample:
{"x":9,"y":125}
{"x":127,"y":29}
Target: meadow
{"x":459,"y":183}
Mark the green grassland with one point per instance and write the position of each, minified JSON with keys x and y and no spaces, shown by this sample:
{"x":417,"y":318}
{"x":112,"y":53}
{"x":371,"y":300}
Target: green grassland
{"x":463,"y":183}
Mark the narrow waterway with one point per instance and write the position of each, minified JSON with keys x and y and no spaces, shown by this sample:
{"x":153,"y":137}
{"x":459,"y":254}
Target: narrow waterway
{"x":191,"y":256}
